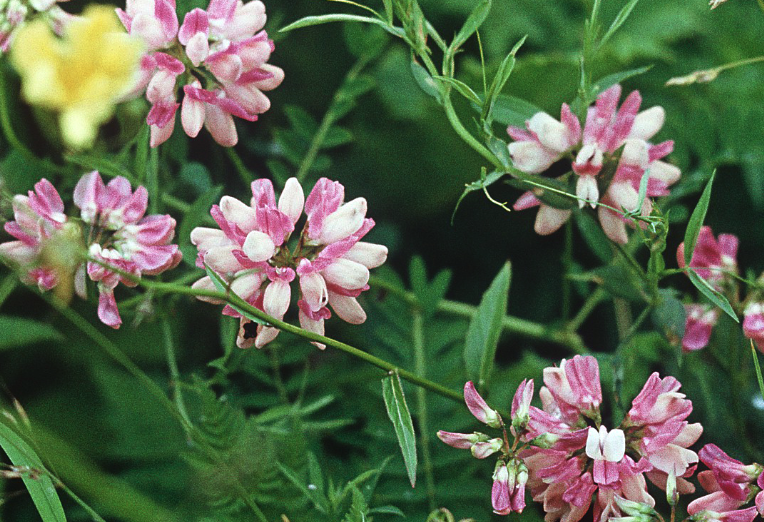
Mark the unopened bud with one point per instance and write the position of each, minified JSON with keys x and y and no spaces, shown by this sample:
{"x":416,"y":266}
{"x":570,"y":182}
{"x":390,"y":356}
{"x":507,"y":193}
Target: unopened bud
{"x":545,"y":441}
{"x":634,"y":509}
{"x":440,"y":515}
{"x":480,"y":408}
{"x":481,"y":450}
{"x":672,"y":495}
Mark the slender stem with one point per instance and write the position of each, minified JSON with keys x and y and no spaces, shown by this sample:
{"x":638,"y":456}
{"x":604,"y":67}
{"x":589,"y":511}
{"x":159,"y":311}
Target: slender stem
{"x":739,"y":63}
{"x":328,"y":121}
{"x":567,"y":264}
{"x":89,"y":510}
{"x":175,"y":203}
{"x":510,"y":323}
{"x":588,"y":307}
{"x":175,"y":380}
{"x":244,"y":173}
{"x":468,"y":138}
{"x":420,"y":366}
{"x":278,"y":381}
{"x":622,"y":317}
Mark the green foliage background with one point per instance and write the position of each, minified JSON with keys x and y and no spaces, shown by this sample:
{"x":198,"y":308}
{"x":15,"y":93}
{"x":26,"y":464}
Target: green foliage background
{"x":296,"y":430}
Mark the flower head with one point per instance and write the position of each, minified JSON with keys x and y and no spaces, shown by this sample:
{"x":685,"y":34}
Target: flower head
{"x":753,"y":323}
{"x":611,"y":155}
{"x":82,"y":75}
{"x":711,"y":256}
{"x":216,"y":61}
{"x":50,"y":249}
{"x":253,"y":250}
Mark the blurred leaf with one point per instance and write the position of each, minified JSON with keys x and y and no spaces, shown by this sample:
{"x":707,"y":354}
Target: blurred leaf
{"x":620,"y":18}
{"x":619,"y":281}
{"x":358,"y":508}
{"x":281,"y":172}
{"x":509,"y":110}
{"x":398,"y":412}
{"x":712,"y":294}
{"x":197,"y":175}
{"x":428,"y":294}
{"x":608,"y":81}
{"x":324,"y":19}
{"x":594,"y":236}
{"x":365,"y":41}
{"x":696,"y":221}
{"x":302,"y":122}
{"x":464,"y":89}
{"x":424,"y":80}
{"x":497,"y":85}
{"x":669,"y":316}
{"x":37,"y":480}
{"x":337,"y":136}
{"x":193,"y":218}
{"x":18,"y":331}
{"x":315,"y":497}
{"x":100,"y":163}
{"x":473,"y":22}
{"x":387,"y":510}
{"x":485,"y":329}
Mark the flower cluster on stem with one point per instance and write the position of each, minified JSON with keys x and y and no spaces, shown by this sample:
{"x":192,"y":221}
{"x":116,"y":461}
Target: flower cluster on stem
{"x":113,"y":237}
{"x":569,"y":459}
{"x":609,"y":157}
{"x":216,"y":61}
{"x":254,"y":251}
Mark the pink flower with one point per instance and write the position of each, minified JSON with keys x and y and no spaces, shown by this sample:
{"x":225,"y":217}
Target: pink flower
{"x":120,"y":237}
{"x":711,"y":257}
{"x":572,"y":389}
{"x":16,"y":12}
{"x":701,"y":320}
{"x":730,"y":485}
{"x":126,"y":238}
{"x":508,"y":490}
{"x":606,"y":132}
{"x":227,"y":42}
{"x":38,"y":217}
{"x":252,"y":251}
{"x":753,"y":323}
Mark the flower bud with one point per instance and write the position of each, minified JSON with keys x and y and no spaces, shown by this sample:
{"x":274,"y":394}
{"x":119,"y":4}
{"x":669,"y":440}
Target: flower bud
{"x":460,"y":440}
{"x":672,"y":495}
{"x":479,"y":408}
{"x":481,"y":450}
{"x":634,"y":508}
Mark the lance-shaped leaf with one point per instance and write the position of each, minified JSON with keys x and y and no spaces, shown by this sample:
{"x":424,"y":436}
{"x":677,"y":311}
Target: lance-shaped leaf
{"x":696,"y":222}
{"x":485,"y":328}
{"x":473,"y":22}
{"x":398,"y":411}
{"x":37,"y":480}
{"x":712,"y":294}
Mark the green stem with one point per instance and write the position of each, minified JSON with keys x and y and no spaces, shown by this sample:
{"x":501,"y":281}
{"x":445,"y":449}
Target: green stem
{"x":89,"y":510}
{"x":468,"y":138}
{"x":567,"y":265}
{"x":278,"y":381}
{"x":175,"y":203}
{"x":420,"y":366}
{"x":758,"y":369}
{"x":244,"y":173}
{"x":175,"y":380}
{"x":588,"y":307}
{"x":328,"y":121}
{"x":512,"y":324}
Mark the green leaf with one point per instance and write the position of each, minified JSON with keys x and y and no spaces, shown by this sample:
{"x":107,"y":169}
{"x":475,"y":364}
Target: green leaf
{"x":336,"y":136}
{"x":358,"y":508}
{"x":464,"y":89}
{"x":193,"y":218}
{"x":425,"y":81}
{"x":19,"y":331}
{"x":620,"y":18}
{"x":338,"y":17}
{"x":387,"y":510}
{"x":510,"y":110}
{"x":388,"y":11}
{"x":480,"y":184}
{"x":319,"y":501}
{"x":669,"y":316}
{"x":103,"y":165}
{"x":398,"y":412}
{"x":594,"y":237}
{"x":696,"y":222}
{"x":473,"y":22}
{"x":302,"y":122}
{"x":619,"y":281}
{"x":38,"y":482}
{"x":485,"y":329}
{"x":611,"y":79}
{"x":222,"y":286}
{"x":501,"y":78}
{"x":712,"y":294}
{"x":428,"y":294}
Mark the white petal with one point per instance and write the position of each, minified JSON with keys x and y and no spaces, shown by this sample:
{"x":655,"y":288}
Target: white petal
{"x":258,"y":246}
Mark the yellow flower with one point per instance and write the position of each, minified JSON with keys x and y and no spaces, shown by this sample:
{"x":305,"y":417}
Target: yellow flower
{"x":81,"y":75}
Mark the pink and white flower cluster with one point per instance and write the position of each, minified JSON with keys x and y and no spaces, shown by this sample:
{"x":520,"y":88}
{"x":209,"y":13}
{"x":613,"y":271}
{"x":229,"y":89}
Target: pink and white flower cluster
{"x":712,"y":259}
{"x":217,"y":57}
{"x":255,"y":252}
{"x":609,"y":159}
{"x":730,"y":485}
{"x":15,"y":13}
{"x":569,"y":459}
{"x":117,"y":234}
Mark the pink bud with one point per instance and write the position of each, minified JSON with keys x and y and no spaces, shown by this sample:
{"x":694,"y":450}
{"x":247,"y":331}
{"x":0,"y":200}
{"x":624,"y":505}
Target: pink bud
{"x":500,"y":491}
{"x":458,"y":440}
{"x":479,"y":408}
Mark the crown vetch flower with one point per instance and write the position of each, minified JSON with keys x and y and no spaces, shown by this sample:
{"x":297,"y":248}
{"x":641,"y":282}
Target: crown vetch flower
{"x":573,"y":461}
{"x":610,"y":157}
{"x":217,"y":57}
{"x":753,"y":323}
{"x":252,"y":250}
{"x":700,"y":322}
{"x":120,"y":237}
{"x":711,"y":256}
{"x":82,"y":75}
{"x":730,"y":484}
{"x":38,"y":217}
